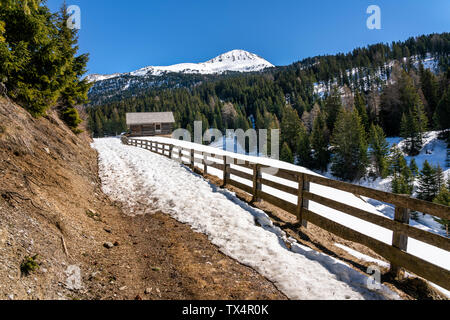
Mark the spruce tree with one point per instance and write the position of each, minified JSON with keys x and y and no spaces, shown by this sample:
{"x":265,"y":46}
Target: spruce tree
{"x":443,"y":198}
{"x":333,"y":107}
{"x":286,"y":154}
{"x":379,"y":150}
{"x":349,"y":147}
{"x":291,"y":127}
{"x":439,"y":177}
{"x":360,"y":105}
{"x":441,"y":116}
{"x":303,"y":149}
{"x":402,"y":177}
{"x":413,"y":167}
{"x":412,"y":127}
{"x":427,"y":184}
{"x":320,"y":140}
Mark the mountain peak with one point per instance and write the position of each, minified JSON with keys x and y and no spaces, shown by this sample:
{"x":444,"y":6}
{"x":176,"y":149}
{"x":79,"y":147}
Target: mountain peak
{"x":235,"y":60}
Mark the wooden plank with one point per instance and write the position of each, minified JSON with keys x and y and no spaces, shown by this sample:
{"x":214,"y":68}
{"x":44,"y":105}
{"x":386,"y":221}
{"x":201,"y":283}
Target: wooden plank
{"x":241,"y":174}
{"x":239,"y":185}
{"x":419,"y":234}
{"x":420,"y":267}
{"x":244,"y":164}
{"x":280,"y":186}
{"x":437,"y":210}
{"x":218,"y":166}
{"x":280,"y":203}
{"x":282,"y":173}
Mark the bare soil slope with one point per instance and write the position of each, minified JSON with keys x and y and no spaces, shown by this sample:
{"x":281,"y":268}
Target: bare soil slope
{"x":52,"y":206}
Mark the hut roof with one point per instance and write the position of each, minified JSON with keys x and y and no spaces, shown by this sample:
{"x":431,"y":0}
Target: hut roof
{"x":139,"y":118}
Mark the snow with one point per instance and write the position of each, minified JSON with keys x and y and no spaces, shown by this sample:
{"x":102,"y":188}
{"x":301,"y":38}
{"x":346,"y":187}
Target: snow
{"x":362,"y":256}
{"x":235,"y":60}
{"x":434,"y":150}
{"x":138,"y":178}
{"x":422,"y":250}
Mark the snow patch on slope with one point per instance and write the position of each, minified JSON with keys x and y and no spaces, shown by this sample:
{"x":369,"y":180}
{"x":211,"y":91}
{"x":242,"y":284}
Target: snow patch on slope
{"x":235,"y":61}
{"x":132,"y":174}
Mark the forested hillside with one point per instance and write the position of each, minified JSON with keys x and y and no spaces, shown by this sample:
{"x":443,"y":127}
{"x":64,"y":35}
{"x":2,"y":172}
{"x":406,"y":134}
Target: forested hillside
{"x":402,"y":89}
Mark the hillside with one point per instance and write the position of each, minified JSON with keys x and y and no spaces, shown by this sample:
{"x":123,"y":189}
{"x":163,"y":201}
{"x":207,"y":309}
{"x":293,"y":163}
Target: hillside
{"x":115,"y":86}
{"x":52,"y":206}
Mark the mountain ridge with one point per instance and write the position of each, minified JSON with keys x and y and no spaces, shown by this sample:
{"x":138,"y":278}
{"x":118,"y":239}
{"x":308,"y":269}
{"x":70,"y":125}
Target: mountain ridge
{"x":232,"y":61}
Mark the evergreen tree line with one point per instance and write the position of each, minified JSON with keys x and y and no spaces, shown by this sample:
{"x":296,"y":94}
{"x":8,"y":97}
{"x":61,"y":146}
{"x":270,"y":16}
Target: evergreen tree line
{"x":39,"y":65}
{"x":344,"y":131}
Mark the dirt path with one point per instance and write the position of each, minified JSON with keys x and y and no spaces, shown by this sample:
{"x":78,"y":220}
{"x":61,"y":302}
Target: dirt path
{"x":160,"y":258}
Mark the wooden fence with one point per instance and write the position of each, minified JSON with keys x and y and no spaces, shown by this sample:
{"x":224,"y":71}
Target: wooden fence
{"x":395,"y":253}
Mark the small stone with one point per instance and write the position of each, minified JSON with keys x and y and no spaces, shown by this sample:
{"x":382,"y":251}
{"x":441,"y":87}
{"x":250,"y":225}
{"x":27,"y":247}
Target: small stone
{"x":138,"y":297}
{"x":122,"y":288}
{"x":148,"y":290}
{"x":108,"y":230}
{"x":156,"y":268}
{"x":11,"y":297}
{"x":108,"y":245}
{"x":116,"y":244}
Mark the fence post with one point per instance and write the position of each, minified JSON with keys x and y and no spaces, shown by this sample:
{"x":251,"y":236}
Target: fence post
{"x":400,"y":240}
{"x":180,"y":155}
{"x":170,"y":150}
{"x":192,"y":159}
{"x":303,"y":185}
{"x":205,"y":166}
{"x":226,"y":171}
{"x":257,"y":185}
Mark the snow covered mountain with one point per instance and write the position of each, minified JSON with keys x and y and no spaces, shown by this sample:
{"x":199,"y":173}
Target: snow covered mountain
{"x":234,"y":61}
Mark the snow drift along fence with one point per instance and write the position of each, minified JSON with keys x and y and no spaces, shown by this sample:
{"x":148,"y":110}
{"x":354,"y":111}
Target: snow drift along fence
{"x":395,"y":253}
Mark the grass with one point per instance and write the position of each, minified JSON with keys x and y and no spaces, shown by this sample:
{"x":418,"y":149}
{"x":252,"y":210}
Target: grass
{"x":29,"y":265}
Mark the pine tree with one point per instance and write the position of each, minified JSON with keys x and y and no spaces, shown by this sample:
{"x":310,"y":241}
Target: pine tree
{"x":333,"y":107}
{"x":320,"y":140}
{"x":413,"y":167}
{"x":430,"y":89}
{"x":403,"y":183}
{"x":413,"y":125}
{"x":402,"y":177}
{"x":286,"y":154}
{"x":349,"y":160}
{"x":427,"y":185}
{"x":37,"y":59}
{"x":379,"y":150}
{"x":439,"y":177}
{"x":441,"y":116}
{"x":443,"y":198}
{"x":360,"y":105}
{"x":303,"y":149}
{"x":291,"y":127}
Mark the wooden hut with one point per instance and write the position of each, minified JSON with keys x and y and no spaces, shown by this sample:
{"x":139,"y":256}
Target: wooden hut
{"x":142,"y":124}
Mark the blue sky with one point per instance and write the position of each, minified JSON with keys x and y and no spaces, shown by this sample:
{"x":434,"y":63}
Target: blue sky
{"x":123,"y":36}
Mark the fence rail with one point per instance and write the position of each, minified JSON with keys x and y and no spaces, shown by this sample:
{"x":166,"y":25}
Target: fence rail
{"x":395,"y":253}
